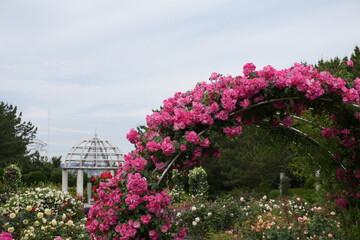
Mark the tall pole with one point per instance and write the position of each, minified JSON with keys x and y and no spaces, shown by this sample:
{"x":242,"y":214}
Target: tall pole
{"x":48,"y":137}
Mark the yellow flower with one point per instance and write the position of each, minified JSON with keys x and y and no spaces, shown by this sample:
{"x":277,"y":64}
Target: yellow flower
{"x":11,"y":229}
{"x":40,"y":215}
{"x":25,"y":222}
{"x":70,"y":223}
{"x":12,"y":215}
{"x":63,"y":216}
{"x":47,"y":211}
{"x":53,"y":222}
{"x":36,"y":223}
{"x":29,"y":208}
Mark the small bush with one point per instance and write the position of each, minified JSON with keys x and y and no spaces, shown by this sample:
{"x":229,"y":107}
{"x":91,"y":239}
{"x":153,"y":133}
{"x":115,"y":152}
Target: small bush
{"x":198,"y":184}
{"x":11,"y":178}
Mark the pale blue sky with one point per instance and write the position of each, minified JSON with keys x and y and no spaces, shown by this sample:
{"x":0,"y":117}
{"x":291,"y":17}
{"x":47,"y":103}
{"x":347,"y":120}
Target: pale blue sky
{"x":107,"y":64}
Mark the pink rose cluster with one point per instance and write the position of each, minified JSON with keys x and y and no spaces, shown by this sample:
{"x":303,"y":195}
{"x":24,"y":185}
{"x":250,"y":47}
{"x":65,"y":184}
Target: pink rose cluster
{"x":117,"y":213}
{"x":177,"y":136}
{"x":6,"y":236}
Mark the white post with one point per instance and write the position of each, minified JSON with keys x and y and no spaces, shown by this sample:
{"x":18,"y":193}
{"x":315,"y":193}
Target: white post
{"x":65,"y":177}
{"x":317,"y":180}
{"x":282,"y":176}
{"x":80,"y":182}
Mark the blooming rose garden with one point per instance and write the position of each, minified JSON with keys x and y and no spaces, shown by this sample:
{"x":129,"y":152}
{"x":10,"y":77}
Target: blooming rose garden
{"x":134,"y":204}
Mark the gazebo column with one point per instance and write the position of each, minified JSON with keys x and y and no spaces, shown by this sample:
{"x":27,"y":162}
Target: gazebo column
{"x":80,"y":182}
{"x":65,"y":177}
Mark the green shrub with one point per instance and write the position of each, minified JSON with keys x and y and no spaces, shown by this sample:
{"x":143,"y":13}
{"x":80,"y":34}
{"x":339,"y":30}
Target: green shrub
{"x":11,"y":178}
{"x":35,"y":177}
{"x":274,"y":194}
{"x":178,"y":187}
{"x":56,"y":177}
{"x":198,"y":184}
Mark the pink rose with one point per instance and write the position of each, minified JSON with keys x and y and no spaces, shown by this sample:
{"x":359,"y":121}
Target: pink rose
{"x":183,"y":147}
{"x":136,"y":224}
{"x":164,"y":228}
{"x":214,"y":76}
{"x":145,"y":219}
{"x":152,"y":233}
{"x":350,"y":63}
{"x":248,"y":68}
{"x":133,"y":136}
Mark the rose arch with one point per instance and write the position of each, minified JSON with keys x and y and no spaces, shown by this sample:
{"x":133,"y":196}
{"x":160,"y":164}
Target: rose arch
{"x":132,"y":205}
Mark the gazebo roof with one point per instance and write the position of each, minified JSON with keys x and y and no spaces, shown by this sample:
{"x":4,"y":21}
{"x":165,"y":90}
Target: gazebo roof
{"x":93,"y":154}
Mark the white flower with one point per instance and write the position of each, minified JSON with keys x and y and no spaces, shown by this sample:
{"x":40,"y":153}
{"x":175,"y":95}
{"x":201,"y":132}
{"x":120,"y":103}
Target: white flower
{"x":231,"y":214}
{"x":193,"y":208}
{"x":12,"y":215}
{"x":194,"y":223}
{"x":242,"y":199}
{"x":197,"y":219}
{"x":40,"y":215}
{"x":178,"y":214}
{"x":209,"y":214}
{"x":264,"y":197}
{"x":11,"y":229}
{"x":202,"y":205}
{"x":25,"y":222}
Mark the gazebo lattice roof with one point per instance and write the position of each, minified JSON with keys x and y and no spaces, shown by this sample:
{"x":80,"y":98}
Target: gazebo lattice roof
{"x":93,"y":154}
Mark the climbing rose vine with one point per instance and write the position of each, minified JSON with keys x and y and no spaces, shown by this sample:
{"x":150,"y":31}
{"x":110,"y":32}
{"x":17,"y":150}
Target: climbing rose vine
{"x":133,"y":205}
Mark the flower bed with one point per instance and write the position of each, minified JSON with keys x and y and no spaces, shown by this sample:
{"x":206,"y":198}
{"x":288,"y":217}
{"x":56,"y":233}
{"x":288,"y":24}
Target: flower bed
{"x":43,"y":213}
{"x":258,"y":219}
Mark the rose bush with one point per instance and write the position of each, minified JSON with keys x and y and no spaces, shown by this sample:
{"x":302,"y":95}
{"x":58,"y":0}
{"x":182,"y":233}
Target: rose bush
{"x":133,"y":203}
{"x":43,"y":213}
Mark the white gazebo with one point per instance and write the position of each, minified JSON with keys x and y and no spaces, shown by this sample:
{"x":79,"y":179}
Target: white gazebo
{"x":94,"y":155}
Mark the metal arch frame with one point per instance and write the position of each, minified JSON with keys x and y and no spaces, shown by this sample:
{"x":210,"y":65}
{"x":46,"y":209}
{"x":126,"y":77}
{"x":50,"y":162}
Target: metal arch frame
{"x":170,"y":162}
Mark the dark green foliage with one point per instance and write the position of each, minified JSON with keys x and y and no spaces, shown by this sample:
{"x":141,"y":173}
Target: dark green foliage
{"x":35,"y":177}
{"x":339,"y":68}
{"x":15,"y":135}
{"x":253,"y":159}
{"x":56,"y":176}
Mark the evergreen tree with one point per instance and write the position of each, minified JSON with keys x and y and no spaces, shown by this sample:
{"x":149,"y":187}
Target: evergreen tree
{"x":339,"y":67}
{"x":15,"y":135}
